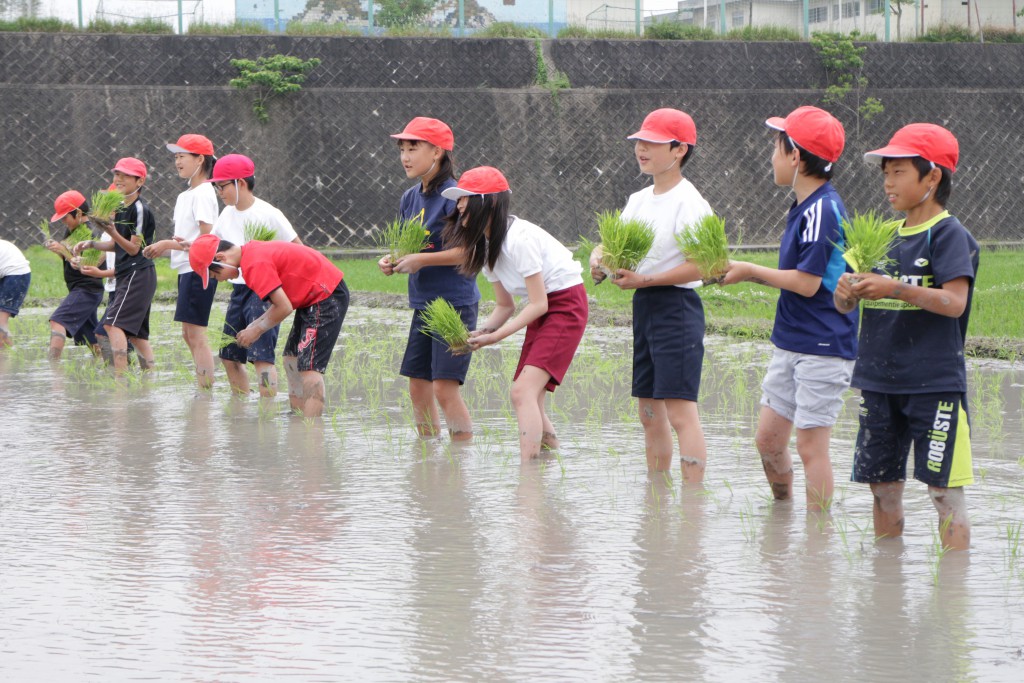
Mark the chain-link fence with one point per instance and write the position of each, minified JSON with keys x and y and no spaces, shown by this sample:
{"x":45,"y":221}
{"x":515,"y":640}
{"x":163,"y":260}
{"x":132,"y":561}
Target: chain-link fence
{"x":71,"y":105}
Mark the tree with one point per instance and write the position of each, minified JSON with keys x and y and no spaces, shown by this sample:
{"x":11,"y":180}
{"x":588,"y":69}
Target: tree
{"x":402,"y":12}
{"x":844,"y":67}
{"x":896,"y":7}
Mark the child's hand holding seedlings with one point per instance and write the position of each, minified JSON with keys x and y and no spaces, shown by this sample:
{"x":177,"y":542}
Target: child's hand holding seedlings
{"x":596,"y":273}
{"x":409,"y":264}
{"x":80,"y":247}
{"x":385,"y":265}
{"x":736,"y":272}
{"x":158,"y":249}
{"x":627,"y":279}
{"x":872,"y":286}
{"x":484,"y":336}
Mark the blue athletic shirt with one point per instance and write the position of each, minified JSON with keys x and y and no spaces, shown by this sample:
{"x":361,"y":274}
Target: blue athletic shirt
{"x":812,"y":324}
{"x":435,"y":281}
{"x":905,"y":349}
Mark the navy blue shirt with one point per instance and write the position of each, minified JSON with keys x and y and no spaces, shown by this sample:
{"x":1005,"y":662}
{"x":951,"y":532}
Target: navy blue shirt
{"x":435,"y":281}
{"x":812,"y":325}
{"x":905,"y":349}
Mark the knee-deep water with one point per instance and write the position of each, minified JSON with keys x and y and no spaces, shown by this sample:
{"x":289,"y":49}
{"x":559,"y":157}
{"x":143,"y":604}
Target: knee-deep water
{"x":152,"y":532}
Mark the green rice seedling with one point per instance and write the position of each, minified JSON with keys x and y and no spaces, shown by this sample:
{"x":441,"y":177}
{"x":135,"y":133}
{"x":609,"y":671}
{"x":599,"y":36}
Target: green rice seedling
{"x":624,"y":243}
{"x":705,"y":245}
{"x":219,"y":338}
{"x":44,"y":227}
{"x":867,"y":240}
{"x":258,"y":232}
{"x":442,"y":322}
{"x":401,"y":238}
{"x":91,"y":257}
{"x":80,"y":234}
{"x":104,"y":203}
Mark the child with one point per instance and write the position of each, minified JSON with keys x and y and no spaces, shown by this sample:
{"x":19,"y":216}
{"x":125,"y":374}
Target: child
{"x":76,"y":315}
{"x":292,"y":277}
{"x":434,"y":373}
{"x":520,"y":259}
{"x":234,"y":178}
{"x":127,"y":316}
{"x":15,"y":276}
{"x":195,"y":212}
{"x":910,"y":368}
{"x":814,"y":343}
{"x":668,"y":316}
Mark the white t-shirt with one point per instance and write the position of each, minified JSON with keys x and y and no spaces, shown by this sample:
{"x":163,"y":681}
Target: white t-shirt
{"x":231,"y":223}
{"x":527,"y":250}
{"x":669,"y":214}
{"x":12,"y":261}
{"x":194,"y":206}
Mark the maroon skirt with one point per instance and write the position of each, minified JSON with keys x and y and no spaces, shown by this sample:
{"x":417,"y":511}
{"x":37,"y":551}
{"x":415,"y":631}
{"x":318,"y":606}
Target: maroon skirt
{"x":551,"y":339}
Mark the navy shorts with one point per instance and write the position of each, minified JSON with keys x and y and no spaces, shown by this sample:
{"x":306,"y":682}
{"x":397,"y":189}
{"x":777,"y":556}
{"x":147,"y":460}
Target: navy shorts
{"x":937,"y":425}
{"x":429,"y":358}
{"x":315,"y":330}
{"x":243,"y":308}
{"x":129,"y":310}
{"x":77,"y":314}
{"x":194,"y":303}
{"x":668,"y":343}
{"x":13,"y":289}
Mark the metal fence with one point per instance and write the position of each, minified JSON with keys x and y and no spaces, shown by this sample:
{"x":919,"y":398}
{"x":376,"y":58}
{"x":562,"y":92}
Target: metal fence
{"x":71,"y":105}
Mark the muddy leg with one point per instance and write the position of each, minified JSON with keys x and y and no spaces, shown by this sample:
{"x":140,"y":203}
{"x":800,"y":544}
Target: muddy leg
{"x":954,"y":526}
{"x":144,"y":352}
{"x":812,"y":445}
{"x":199,"y":346}
{"x":266,"y":374}
{"x":313,"y":390}
{"x":527,"y":398}
{"x":456,"y":414}
{"x":888,"y":509}
{"x":693,"y":451}
{"x":296,"y":397}
{"x":657,"y":435}
{"x":238,"y":376}
{"x":772,"y":443}
{"x":58,"y":336}
{"x":421,"y":392}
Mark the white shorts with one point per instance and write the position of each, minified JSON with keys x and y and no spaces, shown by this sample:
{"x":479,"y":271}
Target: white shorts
{"x":805,"y":389}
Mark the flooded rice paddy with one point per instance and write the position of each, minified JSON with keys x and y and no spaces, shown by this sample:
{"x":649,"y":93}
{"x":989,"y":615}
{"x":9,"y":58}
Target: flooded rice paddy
{"x":150,"y":533}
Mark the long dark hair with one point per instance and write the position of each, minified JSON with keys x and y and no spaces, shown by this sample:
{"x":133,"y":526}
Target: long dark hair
{"x":469,"y":231}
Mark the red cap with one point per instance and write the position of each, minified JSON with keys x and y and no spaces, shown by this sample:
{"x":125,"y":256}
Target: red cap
{"x":926,"y":140}
{"x":66,"y":203}
{"x":433,"y":131}
{"x":667,"y":125}
{"x":479,"y":180}
{"x":200,"y":255}
{"x":813,"y":129}
{"x":190,"y":143}
{"x":131,"y":166}
{"x":232,"y":167}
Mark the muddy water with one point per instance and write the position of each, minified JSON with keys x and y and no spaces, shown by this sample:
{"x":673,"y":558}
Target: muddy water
{"x":149,"y":533}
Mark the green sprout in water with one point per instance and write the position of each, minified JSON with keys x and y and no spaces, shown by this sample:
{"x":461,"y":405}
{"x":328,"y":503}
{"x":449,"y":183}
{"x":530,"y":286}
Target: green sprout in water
{"x":868,"y":237}
{"x":104,"y":203}
{"x":441,"y":321}
{"x":258,"y":232}
{"x":403,"y":237}
{"x":705,"y":245}
{"x":624,"y":242}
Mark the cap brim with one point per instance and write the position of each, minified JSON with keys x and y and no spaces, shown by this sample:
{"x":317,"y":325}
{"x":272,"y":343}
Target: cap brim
{"x":57,"y":216}
{"x":650,"y":136}
{"x":890,"y":152}
{"x":457,"y":193}
{"x":176,"y":149}
{"x":205,"y":277}
{"x":408,"y":136}
{"x":776,"y":123}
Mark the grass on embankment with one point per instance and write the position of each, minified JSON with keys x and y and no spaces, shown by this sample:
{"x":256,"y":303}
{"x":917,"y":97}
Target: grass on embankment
{"x":996,"y":327}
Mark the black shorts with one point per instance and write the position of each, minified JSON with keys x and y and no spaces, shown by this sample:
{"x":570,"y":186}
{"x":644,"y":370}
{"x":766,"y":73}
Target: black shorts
{"x":937,"y":425}
{"x":429,"y":358}
{"x":668,"y":343}
{"x":77,"y":314}
{"x":194,"y":303}
{"x":243,"y":308}
{"x":315,"y":331}
{"x":129,"y":311}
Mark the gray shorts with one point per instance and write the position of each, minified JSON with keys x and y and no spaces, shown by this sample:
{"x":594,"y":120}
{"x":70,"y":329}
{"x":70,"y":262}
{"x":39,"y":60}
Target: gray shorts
{"x":807,"y":390}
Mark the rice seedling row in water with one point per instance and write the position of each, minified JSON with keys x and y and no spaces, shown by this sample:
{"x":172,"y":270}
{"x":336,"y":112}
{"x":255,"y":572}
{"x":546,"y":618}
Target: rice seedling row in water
{"x":258,"y":232}
{"x":442,"y":321}
{"x":867,"y":239}
{"x":104,"y":203}
{"x":401,"y":238}
{"x":624,"y":242}
{"x":705,"y":245}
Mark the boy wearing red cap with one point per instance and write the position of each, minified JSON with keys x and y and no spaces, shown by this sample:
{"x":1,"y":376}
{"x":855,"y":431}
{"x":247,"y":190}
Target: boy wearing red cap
{"x":15,"y":277}
{"x":814,"y":343}
{"x":668,"y":316}
{"x":291,"y":277}
{"x":910,"y":367}
{"x":435,"y":374}
{"x":234,"y":179}
{"x":75,"y":317}
{"x":195,"y":212}
{"x":127,"y":316}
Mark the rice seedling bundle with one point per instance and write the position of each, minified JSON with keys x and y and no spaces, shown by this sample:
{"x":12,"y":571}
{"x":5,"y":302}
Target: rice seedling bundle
{"x":104,"y":203}
{"x":44,"y":227}
{"x":705,"y":245}
{"x":258,"y":232}
{"x":219,"y":338}
{"x":91,"y":257}
{"x":441,"y":321}
{"x":868,"y":237}
{"x":80,"y":234}
{"x":624,"y":243}
{"x":402,"y":237}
